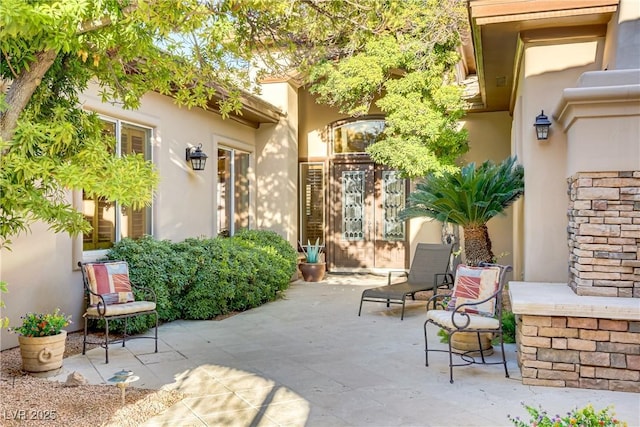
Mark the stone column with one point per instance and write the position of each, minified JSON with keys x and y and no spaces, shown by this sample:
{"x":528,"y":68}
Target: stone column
{"x":604,"y":232}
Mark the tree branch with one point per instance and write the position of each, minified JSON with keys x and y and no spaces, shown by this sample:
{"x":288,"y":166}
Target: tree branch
{"x":105,"y":21}
{"x":21,"y":90}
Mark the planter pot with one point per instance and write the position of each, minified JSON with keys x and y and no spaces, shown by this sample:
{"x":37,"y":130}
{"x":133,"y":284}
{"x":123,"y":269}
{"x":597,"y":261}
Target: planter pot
{"x":42,"y":354}
{"x":313,"y":272}
{"x":462,"y":342}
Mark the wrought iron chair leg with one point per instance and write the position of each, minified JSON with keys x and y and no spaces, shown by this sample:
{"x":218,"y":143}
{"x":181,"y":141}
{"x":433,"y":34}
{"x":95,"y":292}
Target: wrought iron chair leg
{"x":402,"y":314}
{"x":480,"y":347}
{"x":106,"y":340}
{"x":156,"y":338}
{"x":360,"y":311}
{"x":124,"y":334}
{"x":84,"y":338}
{"x":426,"y":346}
{"x":504,"y":360}
{"x":450,"y":360}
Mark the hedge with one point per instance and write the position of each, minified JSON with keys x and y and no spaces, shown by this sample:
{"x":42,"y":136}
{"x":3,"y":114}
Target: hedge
{"x":204,"y":278}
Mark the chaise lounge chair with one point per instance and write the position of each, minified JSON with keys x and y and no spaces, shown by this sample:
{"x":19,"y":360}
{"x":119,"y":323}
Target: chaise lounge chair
{"x":429,"y":271}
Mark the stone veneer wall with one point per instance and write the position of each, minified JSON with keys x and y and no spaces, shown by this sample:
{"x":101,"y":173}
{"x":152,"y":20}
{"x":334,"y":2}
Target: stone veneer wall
{"x":604,"y":233}
{"x":579,"y":352}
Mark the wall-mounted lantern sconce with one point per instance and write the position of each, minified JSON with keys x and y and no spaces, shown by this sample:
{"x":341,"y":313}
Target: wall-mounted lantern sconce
{"x":542,"y":125}
{"x":197,"y":158}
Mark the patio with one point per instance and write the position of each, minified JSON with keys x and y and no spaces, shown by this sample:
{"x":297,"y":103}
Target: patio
{"x":308,"y":359}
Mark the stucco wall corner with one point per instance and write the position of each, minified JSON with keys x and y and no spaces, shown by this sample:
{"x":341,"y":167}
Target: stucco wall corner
{"x":600,"y":94}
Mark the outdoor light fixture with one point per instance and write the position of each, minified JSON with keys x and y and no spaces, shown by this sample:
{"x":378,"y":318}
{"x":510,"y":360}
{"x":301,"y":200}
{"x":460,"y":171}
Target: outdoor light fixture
{"x":122,"y":379}
{"x":542,"y":125}
{"x":196,"y":157}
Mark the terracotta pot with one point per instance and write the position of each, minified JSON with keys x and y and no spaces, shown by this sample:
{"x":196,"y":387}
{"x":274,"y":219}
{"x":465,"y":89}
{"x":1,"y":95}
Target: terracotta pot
{"x":313,"y":272}
{"x":468,"y":341}
{"x":42,"y":354}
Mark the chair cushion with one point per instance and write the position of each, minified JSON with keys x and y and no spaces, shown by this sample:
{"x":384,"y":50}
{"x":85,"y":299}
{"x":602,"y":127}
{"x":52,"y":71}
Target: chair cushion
{"x":474,"y":284}
{"x":120,"y":309}
{"x":111,"y":280}
{"x":443,"y":319}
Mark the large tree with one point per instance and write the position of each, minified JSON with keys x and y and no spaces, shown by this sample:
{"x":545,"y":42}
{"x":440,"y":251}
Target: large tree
{"x":51,"y":50}
{"x":399,"y":53}
{"x":400,"y":56}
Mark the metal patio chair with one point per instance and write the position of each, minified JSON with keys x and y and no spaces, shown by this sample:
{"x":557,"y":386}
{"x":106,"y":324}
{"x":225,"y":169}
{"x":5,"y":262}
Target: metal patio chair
{"x":475,"y":306}
{"x":429,"y":271}
{"x":110,"y":296}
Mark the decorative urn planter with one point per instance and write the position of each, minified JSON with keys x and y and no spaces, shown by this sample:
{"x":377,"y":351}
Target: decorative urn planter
{"x":42,"y":354}
{"x":313,"y":271}
{"x":462,"y":342}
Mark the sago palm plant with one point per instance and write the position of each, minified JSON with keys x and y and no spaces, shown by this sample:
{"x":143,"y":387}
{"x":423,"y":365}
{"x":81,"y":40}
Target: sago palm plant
{"x":469,"y":198}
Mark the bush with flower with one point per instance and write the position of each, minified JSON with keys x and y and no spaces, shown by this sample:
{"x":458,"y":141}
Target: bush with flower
{"x":585,"y":417}
{"x":42,"y":324}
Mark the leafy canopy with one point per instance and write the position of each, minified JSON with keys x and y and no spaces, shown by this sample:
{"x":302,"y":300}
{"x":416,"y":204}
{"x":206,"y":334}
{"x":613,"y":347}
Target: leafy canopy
{"x":401,"y":59}
{"x":398,"y":54}
{"x":51,"y":50}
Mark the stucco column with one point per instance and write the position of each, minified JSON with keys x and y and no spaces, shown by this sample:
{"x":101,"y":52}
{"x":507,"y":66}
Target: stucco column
{"x":601,"y":118}
{"x":277,"y":164}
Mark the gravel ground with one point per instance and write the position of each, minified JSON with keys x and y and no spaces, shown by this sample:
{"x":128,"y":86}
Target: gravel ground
{"x":29,"y":401}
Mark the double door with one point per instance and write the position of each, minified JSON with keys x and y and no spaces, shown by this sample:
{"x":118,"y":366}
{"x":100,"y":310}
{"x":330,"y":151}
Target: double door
{"x":364,"y":229}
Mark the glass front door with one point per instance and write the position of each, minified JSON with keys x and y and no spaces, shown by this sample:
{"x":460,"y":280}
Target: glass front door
{"x":363,"y":226}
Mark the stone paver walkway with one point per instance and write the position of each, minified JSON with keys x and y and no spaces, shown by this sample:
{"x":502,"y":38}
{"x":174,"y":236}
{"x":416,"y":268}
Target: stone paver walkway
{"x":309,"y":360}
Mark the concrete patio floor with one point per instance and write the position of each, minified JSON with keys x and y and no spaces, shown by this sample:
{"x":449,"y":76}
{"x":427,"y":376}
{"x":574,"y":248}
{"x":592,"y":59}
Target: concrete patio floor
{"x":309,"y":360}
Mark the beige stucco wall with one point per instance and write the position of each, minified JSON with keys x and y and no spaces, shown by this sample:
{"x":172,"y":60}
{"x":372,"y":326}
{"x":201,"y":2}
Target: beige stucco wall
{"x":40,"y":275}
{"x":185,"y":200}
{"x":548,"y":68}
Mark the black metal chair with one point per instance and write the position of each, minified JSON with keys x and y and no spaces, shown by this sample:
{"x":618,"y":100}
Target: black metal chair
{"x":429,"y":271}
{"x":109,"y":295}
{"x":475,"y":306}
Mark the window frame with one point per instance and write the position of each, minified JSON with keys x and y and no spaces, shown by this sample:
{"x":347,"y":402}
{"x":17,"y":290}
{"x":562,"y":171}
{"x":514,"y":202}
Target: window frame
{"x":235,"y":147}
{"x":334,"y":126}
{"x":94,"y":254}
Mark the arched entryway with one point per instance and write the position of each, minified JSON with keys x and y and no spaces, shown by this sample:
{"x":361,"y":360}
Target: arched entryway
{"x":352,"y":204}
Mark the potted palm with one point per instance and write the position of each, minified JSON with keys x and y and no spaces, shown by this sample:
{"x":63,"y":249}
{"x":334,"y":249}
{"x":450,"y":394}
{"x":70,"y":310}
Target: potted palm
{"x":469,"y":197}
{"x":312,"y":269}
{"x":42,"y":341}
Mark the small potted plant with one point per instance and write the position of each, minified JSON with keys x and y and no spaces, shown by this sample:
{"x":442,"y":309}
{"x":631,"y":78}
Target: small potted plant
{"x":312,"y":269}
{"x":42,"y":340}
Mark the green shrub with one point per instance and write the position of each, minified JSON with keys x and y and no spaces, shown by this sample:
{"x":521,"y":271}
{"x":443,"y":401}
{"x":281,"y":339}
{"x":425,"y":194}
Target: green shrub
{"x":211,"y":283}
{"x":585,"y":417}
{"x":152,"y":264}
{"x":509,"y":326}
{"x":275,"y":246}
{"x":279,"y":259}
{"x":155,"y":264}
{"x":245,"y":271}
{"x":203,"y":278}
